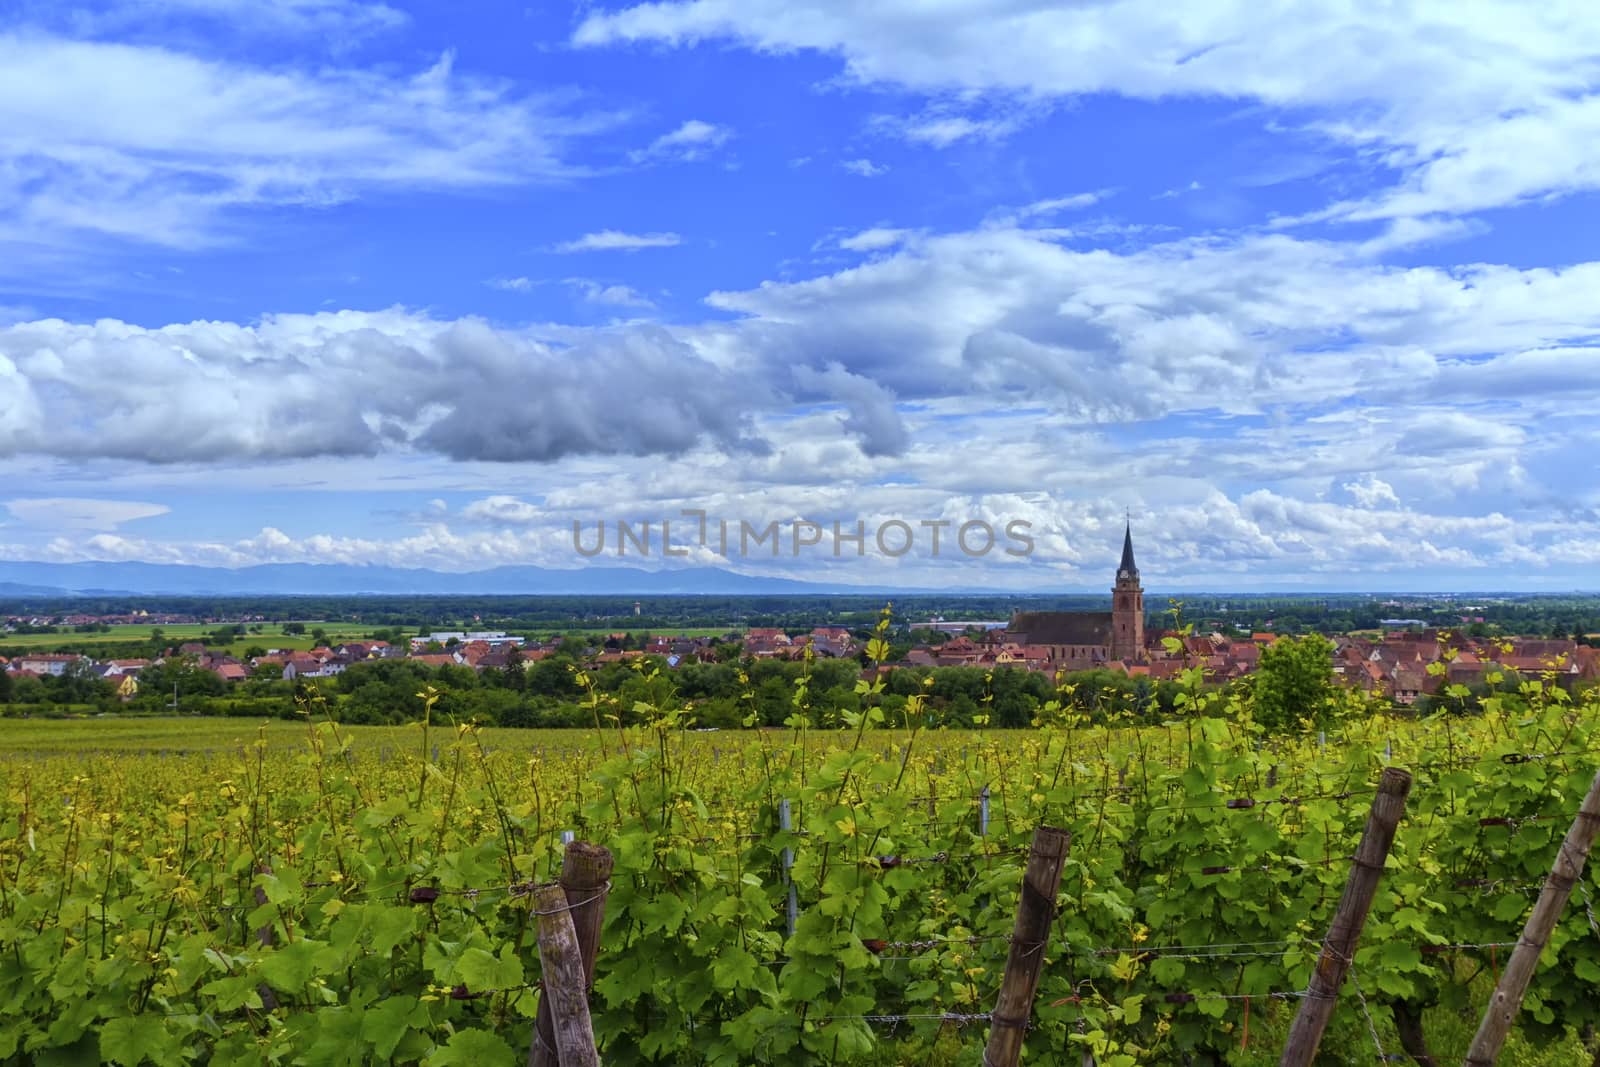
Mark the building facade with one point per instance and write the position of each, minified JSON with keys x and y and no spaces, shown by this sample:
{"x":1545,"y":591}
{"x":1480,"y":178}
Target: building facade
{"x":1083,"y":640}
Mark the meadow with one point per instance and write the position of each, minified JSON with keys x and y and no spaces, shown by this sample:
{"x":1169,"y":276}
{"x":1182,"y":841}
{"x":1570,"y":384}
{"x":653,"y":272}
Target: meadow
{"x":174,"y":890}
{"x":271,"y":636}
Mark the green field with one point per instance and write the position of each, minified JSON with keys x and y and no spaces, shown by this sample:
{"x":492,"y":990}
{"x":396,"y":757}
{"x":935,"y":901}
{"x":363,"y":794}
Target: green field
{"x":1207,"y":855}
{"x":178,"y":735}
{"x":271,"y":636}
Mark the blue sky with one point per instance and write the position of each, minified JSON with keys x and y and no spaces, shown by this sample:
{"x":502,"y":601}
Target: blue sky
{"x":1311,"y":293}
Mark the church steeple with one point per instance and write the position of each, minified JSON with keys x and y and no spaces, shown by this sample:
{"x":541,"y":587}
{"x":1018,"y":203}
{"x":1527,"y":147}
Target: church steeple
{"x":1127,"y":606}
{"x":1128,"y":568}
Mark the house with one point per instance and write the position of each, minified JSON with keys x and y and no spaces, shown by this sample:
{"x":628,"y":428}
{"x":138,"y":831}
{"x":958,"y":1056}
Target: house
{"x":230,"y":672}
{"x":302,"y":667}
{"x":437,"y":659}
{"x":42,"y":664}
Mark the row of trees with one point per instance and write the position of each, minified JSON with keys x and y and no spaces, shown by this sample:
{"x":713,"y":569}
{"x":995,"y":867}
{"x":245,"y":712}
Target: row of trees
{"x":1292,"y":688}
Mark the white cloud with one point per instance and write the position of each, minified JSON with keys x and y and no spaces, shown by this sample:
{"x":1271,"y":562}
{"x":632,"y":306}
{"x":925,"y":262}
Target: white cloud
{"x":81,"y":513}
{"x":864,"y":168}
{"x":694,"y":140}
{"x":210,"y":391}
{"x":1473,"y":105}
{"x":512,"y":285}
{"x":616,"y":240}
{"x":335,"y":19}
{"x":1372,"y":492}
{"x":156,"y":145}
{"x":876,"y":239}
{"x":1056,"y":205}
{"x":594,"y":292}
{"x":941,"y":128}
{"x":506,"y":510}
{"x":1374,"y":406}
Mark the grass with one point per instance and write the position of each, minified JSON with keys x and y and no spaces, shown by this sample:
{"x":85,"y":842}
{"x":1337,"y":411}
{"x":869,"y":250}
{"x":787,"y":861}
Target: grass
{"x":176,"y":734}
{"x":271,"y":636}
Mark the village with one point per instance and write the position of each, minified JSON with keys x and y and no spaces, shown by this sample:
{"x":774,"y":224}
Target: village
{"x":1401,"y":665}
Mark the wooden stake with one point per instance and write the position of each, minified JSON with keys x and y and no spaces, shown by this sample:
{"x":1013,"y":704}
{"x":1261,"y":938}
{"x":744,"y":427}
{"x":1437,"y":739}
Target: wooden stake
{"x":561,"y":964}
{"x":1339,"y":947}
{"x":793,"y":906}
{"x":1513,"y":983}
{"x":585,"y":879}
{"x":1035,"y":912}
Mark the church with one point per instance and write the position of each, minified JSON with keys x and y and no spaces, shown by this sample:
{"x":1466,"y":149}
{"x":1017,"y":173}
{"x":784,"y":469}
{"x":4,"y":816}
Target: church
{"x":1083,"y":640}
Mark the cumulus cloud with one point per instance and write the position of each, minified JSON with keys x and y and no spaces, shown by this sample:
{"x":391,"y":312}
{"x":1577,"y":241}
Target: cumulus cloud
{"x":1471,"y":105}
{"x":507,"y":510}
{"x":875,"y":239}
{"x":694,"y":140}
{"x":463,"y":389}
{"x":512,"y":285}
{"x":996,"y":365}
{"x":871,"y":414}
{"x":618,"y":241}
{"x":1254,"y":539}
{"x":999,"y":315}
{"x":1372,"y":492}
{"x":864,"y":168}
{"x":611,"y":294}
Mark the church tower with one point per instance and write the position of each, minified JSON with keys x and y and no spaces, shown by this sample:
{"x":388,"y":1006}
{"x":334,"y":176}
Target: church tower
{"x":1127,"y":607}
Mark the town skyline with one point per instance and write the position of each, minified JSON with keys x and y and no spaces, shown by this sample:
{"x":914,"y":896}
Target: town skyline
{"x":390,"y":284}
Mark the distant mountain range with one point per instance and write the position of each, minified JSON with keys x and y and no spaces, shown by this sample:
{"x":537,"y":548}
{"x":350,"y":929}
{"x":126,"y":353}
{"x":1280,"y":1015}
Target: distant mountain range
{"x":21,"y":579}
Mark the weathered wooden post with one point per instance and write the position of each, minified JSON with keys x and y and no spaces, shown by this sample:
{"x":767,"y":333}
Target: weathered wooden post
{"x":585,"y":880}
{"x":1564,"y":874}
{"x":788,"y":865}
{"x":266,"y":938}
{"x":561,"y":964}
{"x":1339,"y":947}
{"x":1036,"y":910}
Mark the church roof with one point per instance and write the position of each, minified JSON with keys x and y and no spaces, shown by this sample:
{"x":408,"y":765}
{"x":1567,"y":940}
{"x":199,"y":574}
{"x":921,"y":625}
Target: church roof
{"x":1127,"y":566}
{"x":1061,"y":627}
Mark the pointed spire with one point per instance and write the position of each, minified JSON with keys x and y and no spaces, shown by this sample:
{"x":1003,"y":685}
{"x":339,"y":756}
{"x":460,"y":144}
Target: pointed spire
{"x":1128,"y":568}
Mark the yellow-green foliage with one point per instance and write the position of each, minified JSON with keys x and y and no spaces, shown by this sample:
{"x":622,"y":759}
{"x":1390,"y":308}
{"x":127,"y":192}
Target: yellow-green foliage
{"x":197,"y":890}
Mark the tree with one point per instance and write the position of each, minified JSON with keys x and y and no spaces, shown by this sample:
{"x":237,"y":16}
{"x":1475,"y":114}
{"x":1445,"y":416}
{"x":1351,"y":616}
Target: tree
{"x":1294,"y":682}
{"x":5,"y":687}
{"x":515,"y":672}
{"x":294,"y":628}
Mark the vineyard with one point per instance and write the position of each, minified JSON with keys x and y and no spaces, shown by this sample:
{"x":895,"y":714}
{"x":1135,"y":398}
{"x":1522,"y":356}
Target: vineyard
{"x":836,"y":893}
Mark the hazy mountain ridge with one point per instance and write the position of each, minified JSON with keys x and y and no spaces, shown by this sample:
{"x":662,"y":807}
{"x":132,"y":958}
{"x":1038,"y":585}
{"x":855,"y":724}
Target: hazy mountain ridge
{"x":19,"y":578}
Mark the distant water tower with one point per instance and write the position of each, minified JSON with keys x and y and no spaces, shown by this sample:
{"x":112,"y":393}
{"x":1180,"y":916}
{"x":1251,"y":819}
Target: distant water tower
{"x":635,"y":609}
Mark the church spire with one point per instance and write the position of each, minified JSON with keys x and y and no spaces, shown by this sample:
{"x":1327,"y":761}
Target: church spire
{"x":1128,"y":568}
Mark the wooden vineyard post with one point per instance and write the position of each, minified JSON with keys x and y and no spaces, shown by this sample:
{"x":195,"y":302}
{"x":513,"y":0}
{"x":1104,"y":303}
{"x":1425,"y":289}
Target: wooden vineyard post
{"x":561,"y":964}
{"x":585,"y":880}
{"x":1564,"y":874}
{"x":1035,"y":912}
{"x":1339,"y":947}
{"x":793,"y":905}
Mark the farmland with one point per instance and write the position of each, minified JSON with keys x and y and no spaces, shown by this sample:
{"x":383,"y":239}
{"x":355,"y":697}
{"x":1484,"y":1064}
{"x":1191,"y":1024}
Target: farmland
{"x":179,"y":889}
{"x":175,"y":633}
